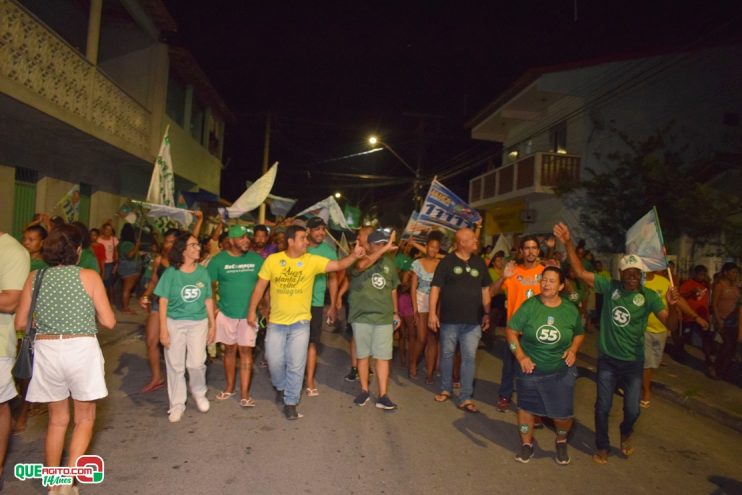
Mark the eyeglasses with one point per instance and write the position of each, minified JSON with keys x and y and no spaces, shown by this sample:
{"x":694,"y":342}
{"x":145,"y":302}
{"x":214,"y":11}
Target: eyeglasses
{"x":192,"y":244}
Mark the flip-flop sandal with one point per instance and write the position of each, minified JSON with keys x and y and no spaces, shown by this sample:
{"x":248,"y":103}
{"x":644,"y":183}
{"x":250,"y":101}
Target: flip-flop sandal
{"x":152,"y":388}
{"x":600,"y":457}
{"x":312,"y":392}
{"x":224,"y":395}
{"x":627,"y":447}
{"x":468,"y":407}
{"x":249,"y":402}
{"x":644,"y":404}
{"x":442,"y":397}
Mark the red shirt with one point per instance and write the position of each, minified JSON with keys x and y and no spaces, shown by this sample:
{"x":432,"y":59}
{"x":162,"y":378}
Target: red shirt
{"x":696,"y":295}
{"x":99,"y":250}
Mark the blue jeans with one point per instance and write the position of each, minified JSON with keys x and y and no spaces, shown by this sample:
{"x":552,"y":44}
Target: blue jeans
{"x":627,"y":374}
{"x":467,"y":336}
{"x":508,"y":374}
{"x":286,"y":353}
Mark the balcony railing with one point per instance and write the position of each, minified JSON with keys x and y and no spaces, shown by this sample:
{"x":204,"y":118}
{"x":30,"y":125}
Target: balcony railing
{"x":47,"y":73}
{"x":537,"y":173}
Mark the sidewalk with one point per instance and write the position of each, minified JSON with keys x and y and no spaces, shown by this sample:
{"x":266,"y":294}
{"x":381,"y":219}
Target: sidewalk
{"x":718,"y":400}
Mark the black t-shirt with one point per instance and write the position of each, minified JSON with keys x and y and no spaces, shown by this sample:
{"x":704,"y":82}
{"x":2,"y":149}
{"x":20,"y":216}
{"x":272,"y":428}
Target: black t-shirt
{"x":461,"y":284}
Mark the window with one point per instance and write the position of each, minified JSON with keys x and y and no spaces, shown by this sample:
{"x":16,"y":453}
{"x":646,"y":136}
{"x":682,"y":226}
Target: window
{"x":197,"y":120}
{"x":175,"y":104}
{"x":558,"y":138}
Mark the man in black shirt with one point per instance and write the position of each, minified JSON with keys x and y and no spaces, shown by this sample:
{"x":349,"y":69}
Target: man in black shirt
{"x":461,"y":286}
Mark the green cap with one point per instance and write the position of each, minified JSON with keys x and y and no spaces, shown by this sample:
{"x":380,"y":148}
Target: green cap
{"x":237,"y":231}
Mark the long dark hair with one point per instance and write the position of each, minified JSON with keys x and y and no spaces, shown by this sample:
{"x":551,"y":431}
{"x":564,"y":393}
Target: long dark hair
{"x":175,"y":256}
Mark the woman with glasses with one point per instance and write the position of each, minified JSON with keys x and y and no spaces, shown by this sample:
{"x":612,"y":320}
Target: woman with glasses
{"x":186,"y":324}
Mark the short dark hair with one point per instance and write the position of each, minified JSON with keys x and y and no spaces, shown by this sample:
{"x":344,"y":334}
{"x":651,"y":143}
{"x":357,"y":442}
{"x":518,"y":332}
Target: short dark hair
{"x":556,"y":270}
{"x":499,"y":254}
{"x":175,"y":256}
{"x":61,"y":245}
{"x":172,"y":232}
{"x":527,"y":238}
{"x":84,"y":232}
{"x":38,"y":229}
{"x":728,"y":267}
{"x":260,"y":228}
{"x":435,"y":235}
{"x":291,"y":231}
{"x":94,"y":229}
{"x":700,"y":268}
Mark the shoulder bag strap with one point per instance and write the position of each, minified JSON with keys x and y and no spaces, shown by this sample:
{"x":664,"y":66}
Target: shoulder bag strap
{"x":30,"y":328}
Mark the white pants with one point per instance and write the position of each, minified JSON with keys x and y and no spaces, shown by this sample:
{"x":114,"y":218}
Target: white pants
{"x":187,"y":350}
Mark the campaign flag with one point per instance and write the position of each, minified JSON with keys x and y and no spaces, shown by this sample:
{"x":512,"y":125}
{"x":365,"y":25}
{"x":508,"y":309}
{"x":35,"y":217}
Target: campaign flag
{"x":419,"y":231}
{"x":352,"y":216}
{"x":502,"y":244}
{"x":442,"y":207}
{"x":329,"y":210}
{"x":184,"y":217}
{"x":70,"y":204}
{"x":162,"y":184}
{"x":645,"y":240}
{"x":129,"y":212}
{"x":343,"y":245}
{"x":279,"y":206}
{"x":253,"y":196}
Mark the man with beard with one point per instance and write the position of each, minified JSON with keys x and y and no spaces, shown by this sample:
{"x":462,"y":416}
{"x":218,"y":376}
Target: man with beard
{"x":260,"y":242}
{"x":316,"y":233}
{"x":233,"y":273}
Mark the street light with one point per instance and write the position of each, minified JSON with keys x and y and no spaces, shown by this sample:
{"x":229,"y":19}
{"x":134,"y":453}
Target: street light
{"x":373,"y":141}
{"x":337,"y":195}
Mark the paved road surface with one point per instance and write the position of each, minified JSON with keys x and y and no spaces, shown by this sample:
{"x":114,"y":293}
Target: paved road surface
{"x":424,"y":447}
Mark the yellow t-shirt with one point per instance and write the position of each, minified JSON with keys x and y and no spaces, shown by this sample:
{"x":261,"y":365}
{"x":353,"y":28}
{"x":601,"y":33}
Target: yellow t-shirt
{"x":291,"y":282}
{"x":660,"y":285}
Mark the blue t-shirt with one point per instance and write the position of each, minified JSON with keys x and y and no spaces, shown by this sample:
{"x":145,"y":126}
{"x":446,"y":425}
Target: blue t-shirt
{"x":423,"y":277}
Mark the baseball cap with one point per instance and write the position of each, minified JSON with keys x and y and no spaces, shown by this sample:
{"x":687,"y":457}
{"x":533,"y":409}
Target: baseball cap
{"x":237,"y":231}
{"x":631,"y":261}
{"x":315,"y":222}
{"x":378,"y":236}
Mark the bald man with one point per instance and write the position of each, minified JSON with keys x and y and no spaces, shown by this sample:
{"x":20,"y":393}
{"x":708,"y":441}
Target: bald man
{"x":459,"y":309}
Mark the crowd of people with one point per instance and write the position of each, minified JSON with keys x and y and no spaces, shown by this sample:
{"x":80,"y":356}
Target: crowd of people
{"x":274,"y":288}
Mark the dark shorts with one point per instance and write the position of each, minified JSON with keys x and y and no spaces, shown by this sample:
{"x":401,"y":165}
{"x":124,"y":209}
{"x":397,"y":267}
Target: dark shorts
{"x":315,"y":324}
{"x":549,"y":395}
{"x":155,"y":304}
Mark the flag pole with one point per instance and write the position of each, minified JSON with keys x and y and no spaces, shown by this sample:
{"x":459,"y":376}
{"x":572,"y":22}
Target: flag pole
{"x":336,"y":242}
{"x":662,"y":243}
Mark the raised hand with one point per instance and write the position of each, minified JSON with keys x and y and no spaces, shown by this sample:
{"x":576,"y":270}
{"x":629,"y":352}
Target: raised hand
{"x":561,"y":231}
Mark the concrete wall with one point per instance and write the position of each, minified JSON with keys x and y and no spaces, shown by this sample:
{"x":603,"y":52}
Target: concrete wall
{"x":104,"y":206}
{"x":7,"y":191}
{"x":191,"y":160}
{"x":131,"y":72}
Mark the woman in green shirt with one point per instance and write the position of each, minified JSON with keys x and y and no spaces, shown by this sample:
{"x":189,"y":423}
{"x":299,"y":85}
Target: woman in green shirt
{"x":186,"y":324}
{"x":545,"y":334}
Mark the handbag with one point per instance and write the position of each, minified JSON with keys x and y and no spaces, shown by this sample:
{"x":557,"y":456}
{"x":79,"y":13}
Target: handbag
{"x":23,"y":367}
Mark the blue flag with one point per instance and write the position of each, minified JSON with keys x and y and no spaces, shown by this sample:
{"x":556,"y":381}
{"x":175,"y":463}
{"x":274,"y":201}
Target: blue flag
{"x":644,"y":239}
{"x":442,"y":207}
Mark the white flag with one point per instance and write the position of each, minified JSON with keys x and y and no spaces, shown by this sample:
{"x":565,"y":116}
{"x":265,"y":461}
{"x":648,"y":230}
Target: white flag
{"x":253,"y":195}
{"x":503,"y":245}
{"x":162,"y":185}
{"x":329,"y":210}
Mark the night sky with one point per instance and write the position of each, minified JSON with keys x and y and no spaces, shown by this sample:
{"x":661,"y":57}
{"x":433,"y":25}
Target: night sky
{"x":411,"y":72}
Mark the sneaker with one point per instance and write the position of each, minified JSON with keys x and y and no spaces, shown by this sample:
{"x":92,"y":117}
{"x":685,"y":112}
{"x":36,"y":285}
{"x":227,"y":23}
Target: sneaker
{"x":279,"y":396}
{"x":502,"y":405}
{"x":525,"y":454}
{"x":352,"y":376}
{"x":562,"y":457}
{"x":384,"y":402}
{"x":202,"y":403}
{"x":291,"y":413}
{"x":361,"y":399}
{"x":175,"y":415}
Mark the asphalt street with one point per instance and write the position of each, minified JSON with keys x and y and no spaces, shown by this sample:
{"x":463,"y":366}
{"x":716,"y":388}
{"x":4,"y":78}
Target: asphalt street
{"x":423,"y":447}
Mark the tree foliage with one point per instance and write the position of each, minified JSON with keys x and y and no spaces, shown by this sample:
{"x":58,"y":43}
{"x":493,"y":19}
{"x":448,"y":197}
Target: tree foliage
{"x":652,"y":172}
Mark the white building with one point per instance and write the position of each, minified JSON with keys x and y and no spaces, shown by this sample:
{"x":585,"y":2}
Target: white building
{"x":555,"y":122}
{"x":86,"y":92}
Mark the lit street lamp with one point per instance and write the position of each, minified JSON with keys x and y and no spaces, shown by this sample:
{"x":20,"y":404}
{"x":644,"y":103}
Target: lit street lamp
{"x":373,"y":141}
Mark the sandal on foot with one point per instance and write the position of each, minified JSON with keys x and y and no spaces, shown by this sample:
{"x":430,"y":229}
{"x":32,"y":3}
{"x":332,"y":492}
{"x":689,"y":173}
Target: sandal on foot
{"x":627,"y":446}
{"x":224,"y":395}
{"x":249,"y":402}
{"x":644,"y":404}
{"x":312,"y":392}
{"x":601,"y":457}
{"x":468,"y":406}
{"x":442,"y":397}
{"x":153,"y":386}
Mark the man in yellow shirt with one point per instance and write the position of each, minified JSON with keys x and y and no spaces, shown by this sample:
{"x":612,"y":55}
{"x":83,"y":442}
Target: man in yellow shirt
{"x":291,"y":275}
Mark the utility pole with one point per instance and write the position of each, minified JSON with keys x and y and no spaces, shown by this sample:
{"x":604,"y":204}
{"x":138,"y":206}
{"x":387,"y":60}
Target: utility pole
{"x":266,"y":151}
{"x":423,"y":120}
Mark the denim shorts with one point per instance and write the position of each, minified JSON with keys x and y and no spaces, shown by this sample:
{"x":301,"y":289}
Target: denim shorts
{"x":550,"y":395}
{"x":128,"y":268}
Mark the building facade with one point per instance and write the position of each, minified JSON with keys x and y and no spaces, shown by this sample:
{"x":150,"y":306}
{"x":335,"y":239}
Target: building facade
{"x":87,"y":90}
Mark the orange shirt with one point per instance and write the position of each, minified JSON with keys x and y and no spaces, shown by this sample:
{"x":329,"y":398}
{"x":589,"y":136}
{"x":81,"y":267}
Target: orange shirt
{"x":524,"y":283}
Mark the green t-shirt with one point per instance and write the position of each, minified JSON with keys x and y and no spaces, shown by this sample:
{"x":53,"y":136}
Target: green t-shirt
{"x":370,"y":293}
{"x":320,"y":281}
{"x":186,"y":293}
{"x":623,"y":319}
{"x":88,"y":260}
{"x":38,"y":264}
{"x":236,"y":276}
{"x":546,"y":333}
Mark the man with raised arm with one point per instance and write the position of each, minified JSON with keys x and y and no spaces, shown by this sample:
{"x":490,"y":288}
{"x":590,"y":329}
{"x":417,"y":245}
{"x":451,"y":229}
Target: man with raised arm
{"x":626,"y":309}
